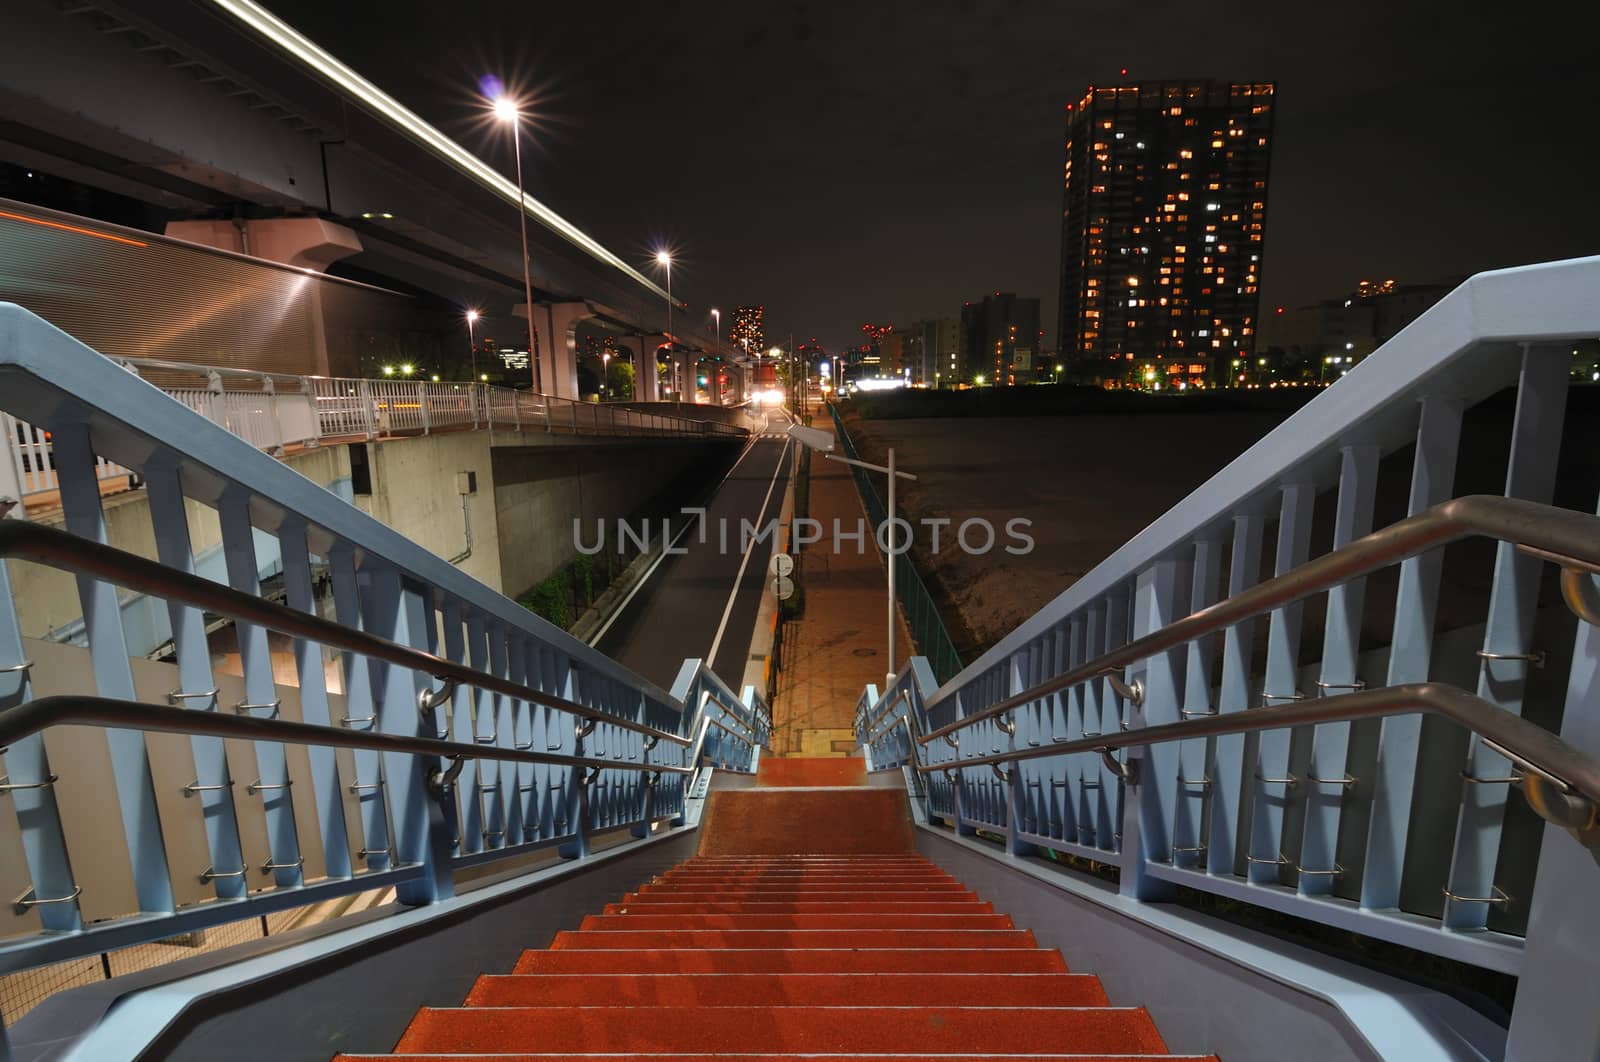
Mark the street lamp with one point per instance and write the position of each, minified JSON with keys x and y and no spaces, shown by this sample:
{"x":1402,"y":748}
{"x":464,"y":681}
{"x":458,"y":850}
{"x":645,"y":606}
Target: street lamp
{"x":716,"y":315}
{"x":472,"y":342}
{"x":823,"y":442}
{"x":664,"y":260}
{"x":506,"y":110}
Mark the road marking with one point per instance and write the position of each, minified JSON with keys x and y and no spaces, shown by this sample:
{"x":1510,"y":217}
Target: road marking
{"x":737,"y":579}
{"x":594,"y":639}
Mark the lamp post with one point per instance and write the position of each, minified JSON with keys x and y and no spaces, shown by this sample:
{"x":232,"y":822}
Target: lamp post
{"x":716,"y":315}
{"x":472,"y":342}
{"x":816,"y":439}
{"x":505,"y":109}
{"x":664,"y":260}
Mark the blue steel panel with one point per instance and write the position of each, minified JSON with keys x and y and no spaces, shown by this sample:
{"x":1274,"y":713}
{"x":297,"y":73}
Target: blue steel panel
{"x":1230,"y":788}
{"x":1513,"y":599}
{"x":217,"y":791}
{"x":1159,"y":599}
{"x":1192,"y":799}
{"x":277,"y":795}
{"x":1330,"y":743}
{"x":1283,"y":645}
{"x":113,"y":677}
{"x":1416,"y":602}
{"x":313,"y":679}
{"x":43,"y":841}
{"x":361,"y":713}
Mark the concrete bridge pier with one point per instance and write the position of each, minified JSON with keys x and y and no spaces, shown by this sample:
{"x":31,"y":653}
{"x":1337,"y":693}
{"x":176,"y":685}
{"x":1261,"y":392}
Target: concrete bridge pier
{"x":646,"y":381}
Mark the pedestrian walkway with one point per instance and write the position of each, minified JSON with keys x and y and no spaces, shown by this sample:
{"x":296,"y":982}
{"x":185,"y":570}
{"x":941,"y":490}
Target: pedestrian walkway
{"x":840,"y":643}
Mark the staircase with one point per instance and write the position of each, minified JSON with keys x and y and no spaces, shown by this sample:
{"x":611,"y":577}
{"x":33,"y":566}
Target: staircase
{"x":743,"y":953}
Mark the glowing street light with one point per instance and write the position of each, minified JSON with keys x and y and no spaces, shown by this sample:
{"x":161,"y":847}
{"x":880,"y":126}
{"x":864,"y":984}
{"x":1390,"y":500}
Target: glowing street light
{"x":716,"y":315}
{"x":388,"y":370}
{"x":472,"y":342}
{"x":664,"y":260}
{"x":506,"y":110}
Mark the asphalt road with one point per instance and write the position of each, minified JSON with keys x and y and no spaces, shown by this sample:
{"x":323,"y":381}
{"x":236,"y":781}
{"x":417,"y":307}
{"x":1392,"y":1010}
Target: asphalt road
{"x":703,"y":601}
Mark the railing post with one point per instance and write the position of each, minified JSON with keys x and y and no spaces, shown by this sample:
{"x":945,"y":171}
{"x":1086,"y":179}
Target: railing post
{"x":1159,"y":593}
{"x":369,"y":412}
{"x":396,"y":611}
{"x":422,"y":404}
{"x":1508,"y":630}
{"x":113,"y":677}
{"x":11,"y":471}
{"x":1558,"y":993}
{"x":217,"y":793}
{"x":272,"y":782}
{"x":328,"y":792}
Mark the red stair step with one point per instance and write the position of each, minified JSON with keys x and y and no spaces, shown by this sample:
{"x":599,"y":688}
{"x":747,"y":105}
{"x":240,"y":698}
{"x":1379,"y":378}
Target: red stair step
{"x":780,"y":1058}
{"x":643,"y":1029}
{"x":822,"y":891}
{"x":786,"y":989}
{"x":638,"y":921}
{"x":794,"y":938}
{"x":792,"y":960}
{"x":645,"y":905}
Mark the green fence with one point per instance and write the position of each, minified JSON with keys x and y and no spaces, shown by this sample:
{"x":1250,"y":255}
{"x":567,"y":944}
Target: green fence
{"x":922,"y":615}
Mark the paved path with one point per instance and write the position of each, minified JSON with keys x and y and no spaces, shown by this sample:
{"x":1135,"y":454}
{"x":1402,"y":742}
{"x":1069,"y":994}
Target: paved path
{"x":841,"y":642}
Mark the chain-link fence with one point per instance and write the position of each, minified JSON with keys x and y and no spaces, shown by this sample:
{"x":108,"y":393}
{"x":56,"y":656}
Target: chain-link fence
{"x":916,"y":603}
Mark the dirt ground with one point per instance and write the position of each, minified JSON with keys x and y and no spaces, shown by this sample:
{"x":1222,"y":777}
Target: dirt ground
{"x":1087,"y":483}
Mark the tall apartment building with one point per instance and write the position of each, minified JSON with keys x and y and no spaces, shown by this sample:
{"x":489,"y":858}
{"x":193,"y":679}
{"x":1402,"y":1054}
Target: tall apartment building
{"x":1162,"y":231}
{"x":940,"y":350}
{"x":1000,"y":340}
{"x":748,"y":332}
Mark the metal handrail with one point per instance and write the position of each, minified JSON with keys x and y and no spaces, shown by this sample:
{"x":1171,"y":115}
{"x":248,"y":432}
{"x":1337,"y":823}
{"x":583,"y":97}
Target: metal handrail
{"x":21,"y":540}
{"x":1561,"y":782}
{"x":1563,"y":536}
{"x":31,"y":717}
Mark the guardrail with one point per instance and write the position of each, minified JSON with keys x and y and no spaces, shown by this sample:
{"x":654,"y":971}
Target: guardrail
{"x":1282,"y":791}
{"x":922,"y":617}
{"x":445,"y":726}
{"x":273,"y":412}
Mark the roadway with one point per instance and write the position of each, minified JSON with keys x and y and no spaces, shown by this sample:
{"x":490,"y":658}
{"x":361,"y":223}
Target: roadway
{"x":702,"y":602}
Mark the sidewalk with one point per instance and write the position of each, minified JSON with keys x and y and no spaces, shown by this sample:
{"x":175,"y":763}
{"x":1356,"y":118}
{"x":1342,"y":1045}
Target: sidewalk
{"x":840,"y":643}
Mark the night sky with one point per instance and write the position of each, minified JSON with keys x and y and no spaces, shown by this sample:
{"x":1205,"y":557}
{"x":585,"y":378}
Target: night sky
{"x":882,"y":161}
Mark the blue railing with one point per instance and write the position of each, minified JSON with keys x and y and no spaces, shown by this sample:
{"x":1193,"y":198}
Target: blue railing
{"x":1397,"y":829}
{"x":119,"y":834}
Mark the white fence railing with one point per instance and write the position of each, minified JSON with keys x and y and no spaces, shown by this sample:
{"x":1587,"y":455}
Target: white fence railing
{"x":275,"y":412}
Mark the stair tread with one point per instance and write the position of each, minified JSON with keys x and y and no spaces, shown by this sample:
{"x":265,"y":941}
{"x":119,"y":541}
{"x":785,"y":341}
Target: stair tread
{"x":788,"y":989}
{"x":804,"y":920}
{"x":792,"y":938}
{"x":796,"y":960}
{"x":939,"y":1029}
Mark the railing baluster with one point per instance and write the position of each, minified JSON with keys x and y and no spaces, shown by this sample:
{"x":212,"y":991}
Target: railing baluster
{"x":113,"y":677}
{"x":328,"y":796}
{"x":1230,"y":787}
{"x":395,"y":610}
{"x":479,"y":722}
{"x":361,"y":713}
{"x":45,"y":836}
{"x":1193,"y":792}
{"x":1324,"y":790}
{"x":272,"y":779}
{"x":1283,"y":646}
{"x":1161,"y":593}
{"x":1513,"y":600}
{"x":170,"y":523}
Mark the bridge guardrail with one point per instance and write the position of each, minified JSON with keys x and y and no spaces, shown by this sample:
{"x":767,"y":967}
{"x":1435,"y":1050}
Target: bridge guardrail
{"x":273,"y":412}
{"x":114,"y":836}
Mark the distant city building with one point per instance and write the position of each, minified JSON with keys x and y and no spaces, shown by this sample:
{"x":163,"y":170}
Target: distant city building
{"x":749,"y":332}
{"x":1162,"y":231}
{"x":1000,"y":341}
{"x":940,"y":352}
{"x":1320,"y":341}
